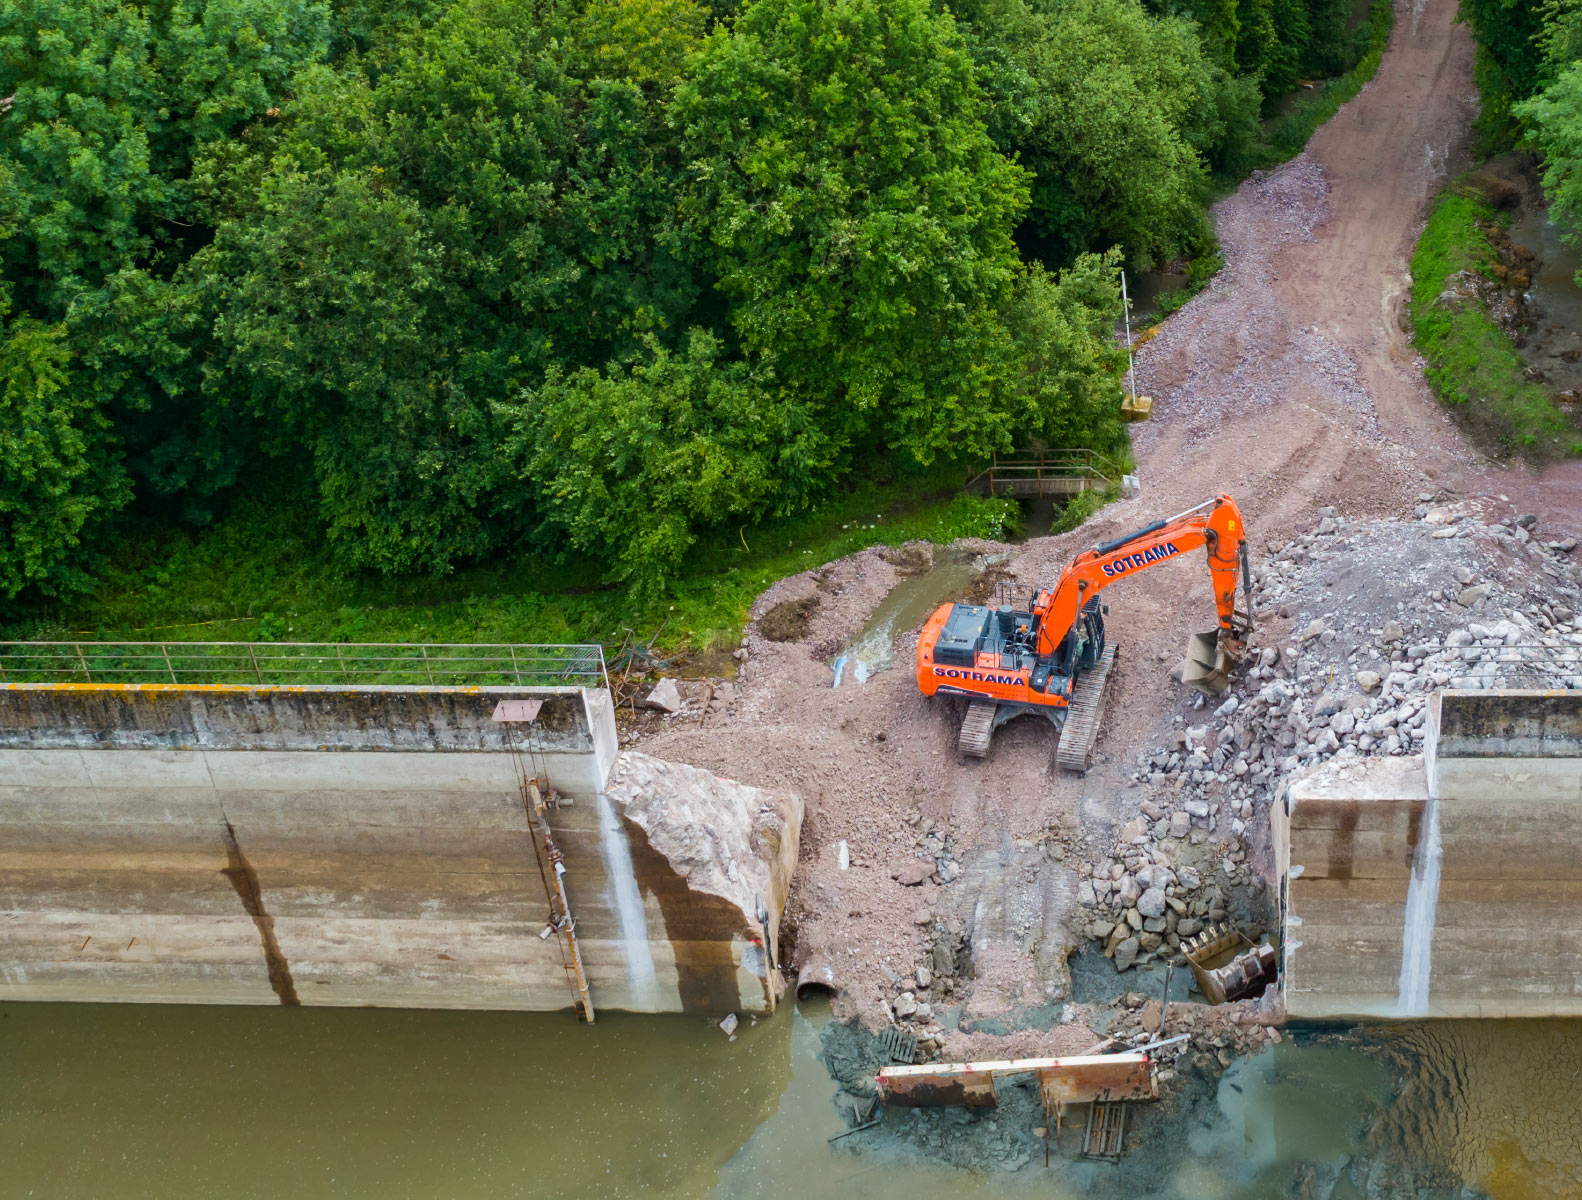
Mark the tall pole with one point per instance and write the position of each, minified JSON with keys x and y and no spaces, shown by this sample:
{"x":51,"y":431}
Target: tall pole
{"x":1126,"y":315}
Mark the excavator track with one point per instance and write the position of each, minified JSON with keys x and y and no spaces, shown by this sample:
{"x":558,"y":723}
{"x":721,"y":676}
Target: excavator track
{"x":1084,"y":716}
{"x":977,"y":727}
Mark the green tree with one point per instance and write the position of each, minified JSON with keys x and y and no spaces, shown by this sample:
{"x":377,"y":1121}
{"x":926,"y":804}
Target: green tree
{"x":1064,"y":325}
{"x":858,"y":218}
{"x":108,"y":101}
{"x":1554,"y":119}
{"x":1122,"y":111}
{"x":59,"y":477}
{"x":433,"y":239}
{"x":629,"y":463}
{"x":1508,"y":61}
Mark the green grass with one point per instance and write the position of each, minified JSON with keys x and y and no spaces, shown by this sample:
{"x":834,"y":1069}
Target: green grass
{"x":264,"y":574}
{"x":1472,"y":366}
{"x":1200,"y":270}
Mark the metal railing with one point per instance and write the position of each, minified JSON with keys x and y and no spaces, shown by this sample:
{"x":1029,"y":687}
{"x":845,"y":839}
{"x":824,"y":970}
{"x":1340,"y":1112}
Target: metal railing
{"x":307,"y":664}
{"x":1047,"y":473}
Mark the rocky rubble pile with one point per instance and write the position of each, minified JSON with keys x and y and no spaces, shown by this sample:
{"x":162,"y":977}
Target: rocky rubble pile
{"x":914,"y":996}
{"x":1405,"y":608}
{"x":935,"y":857}
{"x":1146,"y":896}
{"x":1218,"y":1036}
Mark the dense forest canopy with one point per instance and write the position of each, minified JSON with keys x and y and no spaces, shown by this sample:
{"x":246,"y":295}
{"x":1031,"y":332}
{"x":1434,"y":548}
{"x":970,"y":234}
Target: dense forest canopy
{"x":586,"y":275}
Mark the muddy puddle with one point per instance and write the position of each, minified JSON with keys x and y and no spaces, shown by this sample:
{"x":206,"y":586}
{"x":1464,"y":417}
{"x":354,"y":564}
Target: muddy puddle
{"x":1553,"y":342}
{"x":1148,"y":289}
{"x":182,"y":1102}
{"x":907,"y":605}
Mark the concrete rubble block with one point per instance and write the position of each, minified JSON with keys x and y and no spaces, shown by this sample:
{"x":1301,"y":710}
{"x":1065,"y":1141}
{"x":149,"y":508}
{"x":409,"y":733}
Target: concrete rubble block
{"x":665,"y":697}
{"x":1126,"y":954}
{"x":1135,"y":831}
{"x":716,"y":856}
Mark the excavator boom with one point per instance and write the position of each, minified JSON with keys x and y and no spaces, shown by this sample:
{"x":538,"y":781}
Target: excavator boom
{"x":1216,"y":524}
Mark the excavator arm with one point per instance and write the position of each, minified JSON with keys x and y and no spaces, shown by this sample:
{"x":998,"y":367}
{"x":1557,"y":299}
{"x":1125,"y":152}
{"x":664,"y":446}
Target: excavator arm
{"x":1055,"y":660}
{"x":1216,"y":524}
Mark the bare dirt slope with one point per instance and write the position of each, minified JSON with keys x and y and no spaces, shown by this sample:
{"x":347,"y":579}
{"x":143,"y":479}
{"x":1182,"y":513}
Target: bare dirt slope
{"x":1286,"y":384}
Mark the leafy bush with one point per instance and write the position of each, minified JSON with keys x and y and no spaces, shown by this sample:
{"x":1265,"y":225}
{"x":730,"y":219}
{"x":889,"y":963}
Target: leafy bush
{"x":56,"y":481}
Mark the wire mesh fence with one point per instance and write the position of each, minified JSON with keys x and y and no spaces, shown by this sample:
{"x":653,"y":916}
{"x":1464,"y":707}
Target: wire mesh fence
{"x":308,"y":664}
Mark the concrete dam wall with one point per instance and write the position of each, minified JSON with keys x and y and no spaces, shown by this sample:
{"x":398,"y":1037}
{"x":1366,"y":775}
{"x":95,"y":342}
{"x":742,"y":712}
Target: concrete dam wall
{"x":370,"y":845}
{"x":1445,"y":884}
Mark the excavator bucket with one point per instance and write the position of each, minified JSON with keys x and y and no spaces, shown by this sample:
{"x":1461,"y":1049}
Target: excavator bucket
{"x":1208,"y":662}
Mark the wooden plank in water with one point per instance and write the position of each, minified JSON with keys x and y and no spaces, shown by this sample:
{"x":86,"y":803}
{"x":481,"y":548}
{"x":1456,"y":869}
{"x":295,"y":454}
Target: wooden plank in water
{"x":1075,"y":1080}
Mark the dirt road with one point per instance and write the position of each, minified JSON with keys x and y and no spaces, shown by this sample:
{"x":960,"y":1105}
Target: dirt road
{"x":1289,"y":385}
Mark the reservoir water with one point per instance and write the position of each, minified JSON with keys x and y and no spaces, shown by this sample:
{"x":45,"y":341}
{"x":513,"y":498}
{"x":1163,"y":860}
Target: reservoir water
{"x":183,"y":1102}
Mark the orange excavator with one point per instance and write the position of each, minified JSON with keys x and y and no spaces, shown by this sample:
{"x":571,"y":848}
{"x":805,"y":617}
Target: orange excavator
{"x":1054,"y":660}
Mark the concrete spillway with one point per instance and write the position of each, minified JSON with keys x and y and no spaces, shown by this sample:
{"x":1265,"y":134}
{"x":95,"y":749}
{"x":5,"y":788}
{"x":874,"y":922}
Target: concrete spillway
{"x":1442,"y":885}
{"x":369,"y":846}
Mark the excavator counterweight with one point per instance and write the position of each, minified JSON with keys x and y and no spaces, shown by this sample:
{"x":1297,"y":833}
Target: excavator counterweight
{"x":1054,"y":659}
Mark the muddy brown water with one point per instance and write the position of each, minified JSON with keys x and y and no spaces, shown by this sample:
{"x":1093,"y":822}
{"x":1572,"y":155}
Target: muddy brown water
{"x":177,"y":1102}
{"x":904,"y":608}
{"x":1554,"y":342}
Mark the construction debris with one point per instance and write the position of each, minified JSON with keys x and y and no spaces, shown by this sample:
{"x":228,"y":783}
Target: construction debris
{"x":665,"y":697}
{"x":1228,"y":966}
{"x":1063,"y":1080}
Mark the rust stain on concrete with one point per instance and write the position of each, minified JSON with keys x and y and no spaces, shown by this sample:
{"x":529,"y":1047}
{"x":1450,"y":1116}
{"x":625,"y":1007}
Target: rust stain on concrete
{"x":245,"y":880}
{"x":699,"y":926}
{"x":1343,"y":845}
